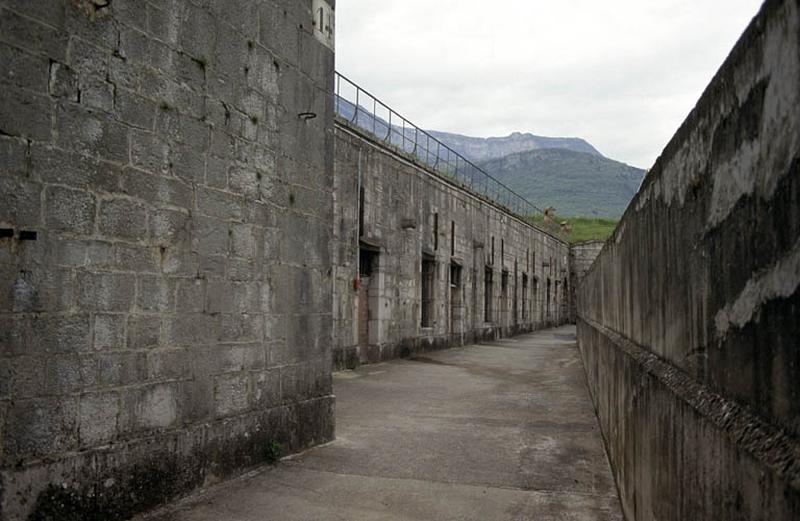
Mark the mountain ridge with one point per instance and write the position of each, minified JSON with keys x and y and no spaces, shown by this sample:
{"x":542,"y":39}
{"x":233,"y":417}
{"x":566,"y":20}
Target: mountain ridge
{"x":566,"y":173}
{"x":481,"y":149}
{"x":575,"y":183}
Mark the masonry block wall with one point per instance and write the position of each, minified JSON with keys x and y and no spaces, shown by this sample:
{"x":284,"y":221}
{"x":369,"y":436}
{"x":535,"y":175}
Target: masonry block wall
{"x":688,"y":320}
{"x":581,"y":257}
{"x":412,"y":253}
{"x":165,"y":232}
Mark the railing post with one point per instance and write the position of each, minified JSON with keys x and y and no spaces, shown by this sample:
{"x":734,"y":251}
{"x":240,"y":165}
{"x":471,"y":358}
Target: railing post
{"x":355,"y":112}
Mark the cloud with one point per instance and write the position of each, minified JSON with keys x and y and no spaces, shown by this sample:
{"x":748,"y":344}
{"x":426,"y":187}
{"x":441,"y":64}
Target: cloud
{"x":622,"y":74}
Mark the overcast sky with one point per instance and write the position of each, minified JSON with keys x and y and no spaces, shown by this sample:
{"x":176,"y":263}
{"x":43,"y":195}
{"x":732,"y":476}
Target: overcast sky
{"x":622,"y":74}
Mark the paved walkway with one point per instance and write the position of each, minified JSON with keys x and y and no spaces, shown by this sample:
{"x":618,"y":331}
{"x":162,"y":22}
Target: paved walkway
{"x":499,"y":431}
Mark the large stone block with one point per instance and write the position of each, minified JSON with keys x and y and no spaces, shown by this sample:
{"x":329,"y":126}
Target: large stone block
{"x":69,"y":210}
{"x":169,"y":365}
{"x":262,"y":73}
{"x":14,"y":160}
{"x":144,"y":331}
{"x":106,"y":291}
{"x":191,"y":295}
{"x":230,"y":47}
{"x":49,"y":12}
{"x":21,"y":202}
{"x":232,"y":394}
{"x":109,"y":332}
{"x":36,"y":428}
{"x":163,"y":24}
{"x":192,"y":329}
{"x":278,"y":30}
{"x":123,"y":218}
{"x":66,"y":374}
{"x":243,"y":240}
{"x":222,"y":144}
{"x":316,"y":59}
{"x":60,"y":334}
{"x":131,"y":13}
{"x":131,"y":108}
{"x":25,"y":114}
{"x":93,"y":25}
{"x":64,"y":167}
{"x":189,"y":164}
{"x":220,"y":297}
{"x":198,"y":34}
{"x":222,"y":205}
{"x":241,"y":14}
{"x":156,"y":189}
{"x":88,"y":60}
{"x":150,"y":152}
{"x":24,"y":70}
{"x":170,"y":228}
{"x":136,"y":257}
{"x":157,"y":407}
{"x":217,"y":172}
{"x":34,"y":36}
{"x":38,"y":290}
{"x":210,"y":237}
{"x":267,"y":388}
{"x":133,"y":48}
{"x":98,"y":418}
{"x":155,"y":294}
{"x":91,"y":132}
{"x":244,"y":181}
{"x":240,"y":327}
{"x":97,"y":94}
{"x":21,"y":377}
{"x":116,"y":369}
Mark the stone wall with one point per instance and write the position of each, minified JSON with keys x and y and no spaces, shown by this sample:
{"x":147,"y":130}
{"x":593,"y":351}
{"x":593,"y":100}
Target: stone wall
{"x":414,"y":225}
{"x":581,"y":257}
{"x":165,"y":233}
{"x":688,"y":320}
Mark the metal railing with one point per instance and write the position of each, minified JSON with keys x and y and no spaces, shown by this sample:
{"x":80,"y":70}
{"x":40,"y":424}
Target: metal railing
{"x":368,"y":113}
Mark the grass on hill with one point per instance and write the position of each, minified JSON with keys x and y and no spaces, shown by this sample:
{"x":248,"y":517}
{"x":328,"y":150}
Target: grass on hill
{"x":572,"y":182}
{"x":583,"y":228}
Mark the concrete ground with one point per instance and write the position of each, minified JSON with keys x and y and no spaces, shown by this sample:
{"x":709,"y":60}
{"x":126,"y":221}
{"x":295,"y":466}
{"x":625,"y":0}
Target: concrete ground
{"x":497,"y":431}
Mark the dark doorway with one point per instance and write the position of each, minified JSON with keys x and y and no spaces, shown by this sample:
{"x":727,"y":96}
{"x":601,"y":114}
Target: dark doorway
{"x":428,"y":275}
{"x":456,"y":304}
{"x":515,"y":302}
{"x":504,"y":298}
{"x":367,"y":292}
{"x":488,"y":295}
{"x":547,"y":301}
{"x":525,"y":305}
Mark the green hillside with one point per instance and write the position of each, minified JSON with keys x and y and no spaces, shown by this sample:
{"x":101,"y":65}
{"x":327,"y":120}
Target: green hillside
{"x":583,"y":228}
{"x":575,"y":183}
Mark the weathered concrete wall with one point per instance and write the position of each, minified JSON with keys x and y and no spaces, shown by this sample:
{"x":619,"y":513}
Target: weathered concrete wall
{"x":581,"y":257}
{"x":408,"y":215}
{"x":170,"y":321}
{"x":688,"y":320}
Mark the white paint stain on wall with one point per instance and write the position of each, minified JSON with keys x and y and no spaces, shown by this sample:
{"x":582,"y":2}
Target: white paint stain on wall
{"x":757,"y":168}
{"x":779,"y":281}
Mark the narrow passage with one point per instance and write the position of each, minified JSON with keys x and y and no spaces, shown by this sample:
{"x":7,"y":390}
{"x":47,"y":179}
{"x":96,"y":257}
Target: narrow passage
{"x":497,"y":431}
